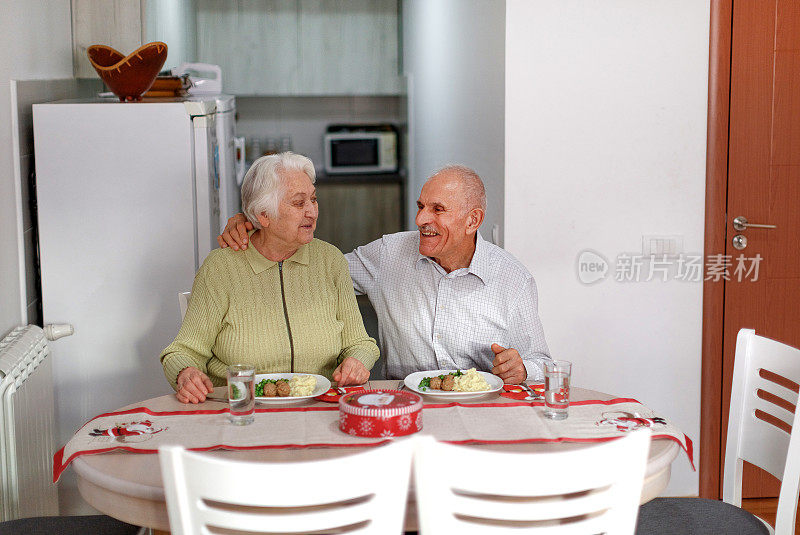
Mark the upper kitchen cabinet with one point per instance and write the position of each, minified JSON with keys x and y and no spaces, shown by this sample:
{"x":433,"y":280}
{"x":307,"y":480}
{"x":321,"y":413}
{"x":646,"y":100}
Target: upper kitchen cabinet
{"x":302,"y":47}
{"x":116,"y":23}
{"x":255,"y":43}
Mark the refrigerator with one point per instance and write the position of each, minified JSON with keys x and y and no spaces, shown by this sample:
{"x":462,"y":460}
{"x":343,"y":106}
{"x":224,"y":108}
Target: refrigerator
{"x":231,"y":159}
{"x":128,"y":208}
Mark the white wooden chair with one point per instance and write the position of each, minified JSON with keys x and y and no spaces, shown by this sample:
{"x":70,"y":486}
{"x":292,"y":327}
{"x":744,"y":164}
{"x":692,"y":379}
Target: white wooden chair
{"x":590,"y":490}
{"x":751,"y":436}
{"x":183,"y":302}
{"x":763,"y":430}
{"x":364,"y":493}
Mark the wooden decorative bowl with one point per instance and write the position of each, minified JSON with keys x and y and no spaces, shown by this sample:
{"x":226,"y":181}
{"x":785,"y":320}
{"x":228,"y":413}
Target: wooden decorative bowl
{"x":129,"y":77}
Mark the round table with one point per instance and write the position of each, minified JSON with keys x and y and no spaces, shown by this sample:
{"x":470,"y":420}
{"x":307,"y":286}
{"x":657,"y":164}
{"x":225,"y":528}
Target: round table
{"x":129,"y":487}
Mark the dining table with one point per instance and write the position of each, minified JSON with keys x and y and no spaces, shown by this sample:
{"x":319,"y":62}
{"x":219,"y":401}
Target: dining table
{"x":126,"y":483}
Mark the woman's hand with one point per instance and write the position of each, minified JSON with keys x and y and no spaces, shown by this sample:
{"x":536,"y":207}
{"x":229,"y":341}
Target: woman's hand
{"x":235,"y":233}
{"x":351,"y":372}
{"x":193,"y":385}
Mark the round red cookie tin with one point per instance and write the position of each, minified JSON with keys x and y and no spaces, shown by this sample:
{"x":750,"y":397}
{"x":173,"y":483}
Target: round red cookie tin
{"x":380,"y":413}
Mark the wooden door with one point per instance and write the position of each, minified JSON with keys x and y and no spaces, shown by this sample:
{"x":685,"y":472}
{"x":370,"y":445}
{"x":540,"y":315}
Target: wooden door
{"x":763,"y":187}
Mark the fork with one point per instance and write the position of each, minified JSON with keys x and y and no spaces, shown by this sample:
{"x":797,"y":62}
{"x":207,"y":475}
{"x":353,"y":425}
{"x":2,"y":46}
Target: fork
{"x":532,"y":396}
{"x":401,"y":384}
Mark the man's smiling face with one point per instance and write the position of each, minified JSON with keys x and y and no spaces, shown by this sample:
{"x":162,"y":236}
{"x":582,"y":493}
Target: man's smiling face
{"x":443,"y":220}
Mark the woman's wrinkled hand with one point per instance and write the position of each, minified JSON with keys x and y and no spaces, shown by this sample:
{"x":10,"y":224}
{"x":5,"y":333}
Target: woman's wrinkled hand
{"x":235,"y":233}
{"x":193,"y":385}
{"x":351,"y":372}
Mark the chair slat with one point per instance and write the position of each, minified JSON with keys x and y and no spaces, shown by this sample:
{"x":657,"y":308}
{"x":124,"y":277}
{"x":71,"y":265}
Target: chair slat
{"x":773,"y":388}
{"x":614,"y":471}
{"x":597,"y":502}
{"x":370,"y":492}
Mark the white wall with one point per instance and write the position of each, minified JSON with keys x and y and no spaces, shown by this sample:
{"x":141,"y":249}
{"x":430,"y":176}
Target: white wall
{"x":35,"y":42}
{"x":453,"y":58}
{"x":605,"y":142}
{"x":35,"y":45}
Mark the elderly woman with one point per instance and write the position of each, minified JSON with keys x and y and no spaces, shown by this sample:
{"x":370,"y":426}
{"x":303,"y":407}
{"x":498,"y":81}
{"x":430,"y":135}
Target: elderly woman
{"x":284,"y":305}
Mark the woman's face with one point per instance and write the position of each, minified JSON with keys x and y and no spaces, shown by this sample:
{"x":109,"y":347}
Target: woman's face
{"x":297,"y":211}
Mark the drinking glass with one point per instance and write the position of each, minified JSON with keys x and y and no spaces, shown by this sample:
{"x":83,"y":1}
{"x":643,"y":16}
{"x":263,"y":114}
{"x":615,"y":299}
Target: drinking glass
{"x":241,"y":393}
{"x":556,"y":388}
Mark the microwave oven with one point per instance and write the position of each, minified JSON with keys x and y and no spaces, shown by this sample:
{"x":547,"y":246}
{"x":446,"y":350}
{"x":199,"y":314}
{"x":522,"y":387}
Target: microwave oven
{"x":361,"y":151}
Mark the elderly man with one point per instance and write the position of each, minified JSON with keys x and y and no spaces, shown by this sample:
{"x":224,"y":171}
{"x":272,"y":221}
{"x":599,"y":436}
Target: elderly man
{"x":444,"y":297}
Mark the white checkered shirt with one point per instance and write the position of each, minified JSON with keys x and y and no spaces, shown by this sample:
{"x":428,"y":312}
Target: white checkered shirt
{"x":430,"y":319}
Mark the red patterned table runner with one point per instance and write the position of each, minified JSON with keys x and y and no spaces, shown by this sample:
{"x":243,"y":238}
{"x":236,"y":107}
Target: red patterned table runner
{"x":500,"y":420}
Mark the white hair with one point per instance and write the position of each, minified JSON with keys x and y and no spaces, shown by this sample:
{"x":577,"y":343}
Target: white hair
{"x":473,"y":190}
{"x":264,"y":184}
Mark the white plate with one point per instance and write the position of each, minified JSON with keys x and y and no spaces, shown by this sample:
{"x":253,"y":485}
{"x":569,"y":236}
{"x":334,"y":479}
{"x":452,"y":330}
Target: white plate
{"x":412,"y":383}
{"x":323,"y":385}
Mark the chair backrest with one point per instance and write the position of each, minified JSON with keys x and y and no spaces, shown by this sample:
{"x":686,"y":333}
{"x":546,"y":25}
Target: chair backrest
{"x":183,"y":302}
{"x":468,"y":491}
{"x":763,"y":425}
{"x":365,"y":493}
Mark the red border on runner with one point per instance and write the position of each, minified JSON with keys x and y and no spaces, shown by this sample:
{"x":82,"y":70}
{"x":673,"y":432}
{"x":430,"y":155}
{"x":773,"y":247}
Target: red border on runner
{"x":59,"y":465}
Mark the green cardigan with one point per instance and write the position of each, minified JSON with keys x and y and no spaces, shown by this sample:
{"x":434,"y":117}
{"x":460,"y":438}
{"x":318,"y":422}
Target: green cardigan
{"x":236,"y":315}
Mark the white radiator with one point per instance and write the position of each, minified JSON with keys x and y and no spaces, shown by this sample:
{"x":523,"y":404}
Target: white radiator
{"x":27,"y":426}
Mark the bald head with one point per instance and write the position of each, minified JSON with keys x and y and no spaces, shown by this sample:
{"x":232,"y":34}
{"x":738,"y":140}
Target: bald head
{"x":467,"y":184}
{"x":450,"y":209}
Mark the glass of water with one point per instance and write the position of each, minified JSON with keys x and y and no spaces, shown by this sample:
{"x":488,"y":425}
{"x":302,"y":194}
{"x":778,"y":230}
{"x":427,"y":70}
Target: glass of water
{"x":556,"y":388}
{"x":241,"y":393}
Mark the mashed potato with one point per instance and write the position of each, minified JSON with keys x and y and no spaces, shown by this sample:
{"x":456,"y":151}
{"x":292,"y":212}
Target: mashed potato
{"x":471,"y":381}
{"x":302,"y":385}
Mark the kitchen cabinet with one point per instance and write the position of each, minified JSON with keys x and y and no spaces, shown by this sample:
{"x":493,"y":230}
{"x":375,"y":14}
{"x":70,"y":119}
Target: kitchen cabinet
{"x":265,"y":47}
{"x":302,"y":47}
{"x":116,"y":23}
{"x":355,"y":210}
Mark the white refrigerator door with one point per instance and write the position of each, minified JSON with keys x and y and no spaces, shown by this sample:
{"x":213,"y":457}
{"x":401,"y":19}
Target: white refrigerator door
{"x":116,"y":237}
{"x":207,"y":183}
{"x":230,"y":200}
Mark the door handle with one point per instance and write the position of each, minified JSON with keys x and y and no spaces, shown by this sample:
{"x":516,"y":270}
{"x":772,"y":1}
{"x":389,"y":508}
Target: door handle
{"x":740,"y":223}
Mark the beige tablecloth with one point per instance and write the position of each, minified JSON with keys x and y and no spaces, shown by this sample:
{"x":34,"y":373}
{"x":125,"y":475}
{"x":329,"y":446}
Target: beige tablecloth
{"x":494,"y":419}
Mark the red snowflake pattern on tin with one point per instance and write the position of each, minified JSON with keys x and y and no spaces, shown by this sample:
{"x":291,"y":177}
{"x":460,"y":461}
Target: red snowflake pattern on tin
{"x":380,"y":413}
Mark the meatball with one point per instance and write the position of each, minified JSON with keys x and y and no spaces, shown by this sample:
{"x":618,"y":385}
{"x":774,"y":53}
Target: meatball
{"x":270,"y":390}
{"x":283,"y":388}
{"x":436,"y":383}
{"x":448,"y":382}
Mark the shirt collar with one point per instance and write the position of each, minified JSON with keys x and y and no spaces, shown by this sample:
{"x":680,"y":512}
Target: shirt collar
{"x":480,"y":260}
{"x":479,"y":266}
{"x":259,"y":262}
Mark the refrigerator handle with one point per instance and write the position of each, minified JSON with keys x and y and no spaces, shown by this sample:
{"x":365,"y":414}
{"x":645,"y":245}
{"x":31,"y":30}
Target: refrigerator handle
{"x":238,"y":148}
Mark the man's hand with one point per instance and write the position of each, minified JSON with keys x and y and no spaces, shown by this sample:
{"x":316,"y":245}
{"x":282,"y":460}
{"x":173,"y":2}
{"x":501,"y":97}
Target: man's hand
{"x":508,"y":365}
{"x":235,"y":233}
{"x":193,"y":385}
{"x":351,"y":372}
